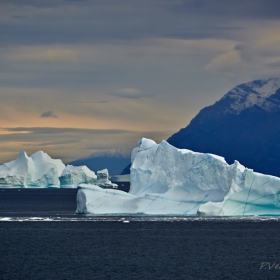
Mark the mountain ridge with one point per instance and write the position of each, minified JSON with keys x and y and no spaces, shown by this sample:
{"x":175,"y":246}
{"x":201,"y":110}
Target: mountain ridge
{"x":115,"y":160}
{"x":243,"y":125}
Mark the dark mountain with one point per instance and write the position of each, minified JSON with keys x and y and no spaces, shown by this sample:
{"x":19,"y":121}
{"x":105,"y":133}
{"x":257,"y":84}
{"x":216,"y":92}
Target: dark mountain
{"x":115,"y":161}
{"x":126,"y":170}
{"x":243,"y":125}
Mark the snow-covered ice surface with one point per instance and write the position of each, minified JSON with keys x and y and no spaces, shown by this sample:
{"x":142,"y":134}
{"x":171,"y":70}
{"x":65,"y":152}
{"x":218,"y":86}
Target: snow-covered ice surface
{"x":169,"y":181}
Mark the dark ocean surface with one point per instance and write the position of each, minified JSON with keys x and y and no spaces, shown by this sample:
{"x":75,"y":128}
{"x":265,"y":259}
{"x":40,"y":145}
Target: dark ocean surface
{"x":42,"y":238}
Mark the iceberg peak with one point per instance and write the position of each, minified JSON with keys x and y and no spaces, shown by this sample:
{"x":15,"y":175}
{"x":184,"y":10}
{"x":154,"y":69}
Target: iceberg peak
{"x":22,"y":156}
{"x":145,"y":144}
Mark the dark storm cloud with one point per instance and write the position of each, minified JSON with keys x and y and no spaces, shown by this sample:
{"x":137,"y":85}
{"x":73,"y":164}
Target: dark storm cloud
{"x":49,"y":22}
{"x":240,"y":9}
{"x":49,"y":114}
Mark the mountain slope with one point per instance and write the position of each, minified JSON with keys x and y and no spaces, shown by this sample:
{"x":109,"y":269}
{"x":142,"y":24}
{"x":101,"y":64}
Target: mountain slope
{"x":243,"y":125}
{"x":115,"y":161}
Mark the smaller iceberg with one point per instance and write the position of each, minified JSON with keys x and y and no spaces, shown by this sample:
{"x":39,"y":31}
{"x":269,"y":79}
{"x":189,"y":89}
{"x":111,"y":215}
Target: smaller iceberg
{"x":41,"y":171}
{"x":72,"y":176}
{"x":103,"y":180}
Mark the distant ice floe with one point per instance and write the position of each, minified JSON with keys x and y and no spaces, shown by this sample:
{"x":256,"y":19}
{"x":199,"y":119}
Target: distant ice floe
{"x":169,"y":181}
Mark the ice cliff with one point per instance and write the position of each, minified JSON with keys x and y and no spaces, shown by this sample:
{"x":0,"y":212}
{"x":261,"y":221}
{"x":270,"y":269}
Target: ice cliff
{"x":167,"y":180}
{"x":258,"y":195}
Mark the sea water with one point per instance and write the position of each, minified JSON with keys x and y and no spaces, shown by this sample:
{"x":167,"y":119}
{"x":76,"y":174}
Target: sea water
{"x":42,"y":238}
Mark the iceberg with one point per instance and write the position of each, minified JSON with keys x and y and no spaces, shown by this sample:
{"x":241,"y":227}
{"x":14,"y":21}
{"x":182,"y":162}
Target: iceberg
{"x":170,"y":181}
{"x":41,"y":171}
{"x":38,"y":171}
{"x":103,"y":180}
{"x":165,"y":180}
{"x":72,"y":176}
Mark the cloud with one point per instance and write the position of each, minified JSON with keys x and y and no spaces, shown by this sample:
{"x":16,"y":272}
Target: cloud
{"x":41,"y":54}
{"x":69,"y":22}
{"x":275,"y":64}
{"x":63,"y":130}
{"x":131,"y":93}
{"x":88,"y":102}
{"x":256,"y":57}
{"x":49,"y":114}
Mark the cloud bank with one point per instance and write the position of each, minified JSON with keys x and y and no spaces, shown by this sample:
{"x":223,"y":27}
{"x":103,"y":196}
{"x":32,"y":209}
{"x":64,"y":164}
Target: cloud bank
{"x":125,"y":66}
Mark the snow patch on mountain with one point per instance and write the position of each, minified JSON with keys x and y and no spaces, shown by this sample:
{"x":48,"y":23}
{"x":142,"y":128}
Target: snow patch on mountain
{"x":261,"y":93}
{"x":119,"y":153}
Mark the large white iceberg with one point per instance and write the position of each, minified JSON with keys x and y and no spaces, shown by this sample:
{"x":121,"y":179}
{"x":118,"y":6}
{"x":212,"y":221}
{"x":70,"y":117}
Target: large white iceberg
{"x":167,"y":180}
{"x":164,"y":180}
{"x":39,"y":171}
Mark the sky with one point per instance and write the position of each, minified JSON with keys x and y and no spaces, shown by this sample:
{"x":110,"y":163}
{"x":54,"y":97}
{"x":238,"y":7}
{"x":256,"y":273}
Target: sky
{"x":79,"y":77}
